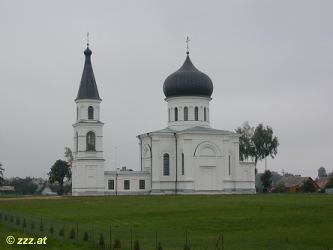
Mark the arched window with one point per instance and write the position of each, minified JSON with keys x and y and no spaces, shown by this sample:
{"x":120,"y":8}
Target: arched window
{"x":196,"y":113}
{"x":77,"y":142}
{"x":176,"y":114}
{"x":91,"y":113}
{"x":205,"y":114}
{"x":166,"y":165}
{"x":91,"y":141}
{"x":183,"y":164}
{"x":186,"y":114}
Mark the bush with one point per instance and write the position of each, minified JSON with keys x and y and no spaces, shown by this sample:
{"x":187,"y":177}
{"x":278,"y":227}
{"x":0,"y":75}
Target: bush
{"x":32,"y":225}
{"x":11,"y":219}
{"x":72,"y":234}
{"x":62,"y":232}
{"x":51,"y":230}
{"x":24,"y":223}
{"x":187,"y":247}
{"x":136,"y":245}
{"x":18,"y":221}
{"x":85,"y":236}
{"x":280,"y":188}
{"x":159,"y":246}
{"x":0,"y":216}
{"x":117,"y":244}
{"x":41,"y":226}
{"x":101,"y":241}
{"x":6,"y":217}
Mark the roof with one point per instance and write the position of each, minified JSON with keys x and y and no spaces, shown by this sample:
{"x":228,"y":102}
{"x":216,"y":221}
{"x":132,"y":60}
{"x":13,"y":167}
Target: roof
{"x":196,"y":129}
{"x":88,"y":87}
{"x":188,"y":81}
{"x":292,"y":181}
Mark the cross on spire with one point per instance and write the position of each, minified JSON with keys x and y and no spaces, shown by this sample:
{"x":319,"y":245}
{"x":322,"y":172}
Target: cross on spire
{"x":88,"y":39}
{"x":187,"y":45}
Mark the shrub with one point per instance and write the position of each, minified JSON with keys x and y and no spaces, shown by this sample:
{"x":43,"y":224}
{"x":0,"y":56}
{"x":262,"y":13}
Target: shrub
{"x":0,"y":216}
{"x":32,"y":225}
{"x":72,"y":234}
{"x":62,"y":232}
{"x":51,"y":230}
{"x":136,"y":245}
{"x":85,"y":236}
{"x":24,"y":223}
{"x":11,"y":219}
{"x":187,"y":247}
{"x":159,"y":246}
{"x":117,"y":244}
{"x":6,"y":217}
{"x":18,"y":221}
{"x":280,"y":188}
{"x":41,"y":226}
{"x":101,"y":241}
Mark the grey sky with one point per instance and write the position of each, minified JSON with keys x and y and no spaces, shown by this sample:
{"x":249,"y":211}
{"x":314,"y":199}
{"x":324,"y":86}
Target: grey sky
{"x":270,"y":61}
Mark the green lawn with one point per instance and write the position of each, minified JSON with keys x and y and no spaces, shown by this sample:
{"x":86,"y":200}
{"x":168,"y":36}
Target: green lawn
{"x":246,"y":221}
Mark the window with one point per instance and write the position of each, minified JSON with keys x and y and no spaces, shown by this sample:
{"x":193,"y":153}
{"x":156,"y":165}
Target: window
{"x":183,"y":167}
{"x":176,"y":114}
{"x":229,"y":165}
{"x":166,"y":165}
{"x":142,"y":184}
{"x":91,"y":141}
{"x":205,"y":114}
{"x":186,"y":114}
{"x":91,"y":113}
{"x":196,"y":114}
{"x":126,"y":184}
{"x":111,"y":184}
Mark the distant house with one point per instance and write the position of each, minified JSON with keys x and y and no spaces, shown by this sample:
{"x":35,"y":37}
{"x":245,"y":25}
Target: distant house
{"x":322,"y":182}
{"x":7,"y":189}
{"x":294,"y":183}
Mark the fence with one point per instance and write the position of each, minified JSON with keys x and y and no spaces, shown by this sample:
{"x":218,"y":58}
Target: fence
{"x":112,"y":237}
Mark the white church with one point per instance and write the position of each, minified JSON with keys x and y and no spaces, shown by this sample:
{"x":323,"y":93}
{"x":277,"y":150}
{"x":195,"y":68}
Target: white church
{"x":186,"y":157}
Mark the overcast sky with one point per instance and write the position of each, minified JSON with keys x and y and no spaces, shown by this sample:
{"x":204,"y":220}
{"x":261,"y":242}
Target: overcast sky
{"x":270,"y":62}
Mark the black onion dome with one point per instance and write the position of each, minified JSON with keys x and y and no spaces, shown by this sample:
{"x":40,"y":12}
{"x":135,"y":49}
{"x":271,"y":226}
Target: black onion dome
{"x":88,"y":87}
{"x":188,"y":81}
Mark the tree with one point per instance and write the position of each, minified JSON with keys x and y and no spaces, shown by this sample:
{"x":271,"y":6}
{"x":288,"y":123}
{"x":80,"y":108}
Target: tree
{"x":308,"y":186}
{"x":265,"y":144}
{"x":69,"y":157}
{"x":246,"y":147}
{"x":59,"y":171}
{"x":266,"y":179}
{"x":256,"y":143}
{"x":1,"y":175}
{"x":322,"y":172}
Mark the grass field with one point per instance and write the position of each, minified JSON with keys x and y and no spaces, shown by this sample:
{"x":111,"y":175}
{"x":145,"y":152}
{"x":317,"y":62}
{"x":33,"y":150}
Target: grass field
{"x":246,"y":221}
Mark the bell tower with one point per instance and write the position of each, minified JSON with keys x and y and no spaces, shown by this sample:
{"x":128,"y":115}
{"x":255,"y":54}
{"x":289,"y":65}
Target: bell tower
{"x":88,"y":162}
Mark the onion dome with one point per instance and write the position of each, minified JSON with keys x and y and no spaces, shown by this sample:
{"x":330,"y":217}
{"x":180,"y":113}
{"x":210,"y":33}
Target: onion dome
{"x":188,"y":81}
{"x":88,"y":87}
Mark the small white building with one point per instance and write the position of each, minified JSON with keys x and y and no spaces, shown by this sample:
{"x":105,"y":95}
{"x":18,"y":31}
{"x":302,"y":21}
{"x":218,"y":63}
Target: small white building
{"x":188,"y":156}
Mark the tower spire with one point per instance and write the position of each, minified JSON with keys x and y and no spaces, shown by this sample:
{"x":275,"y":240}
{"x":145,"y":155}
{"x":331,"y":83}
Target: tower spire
{"x":187,"y":45}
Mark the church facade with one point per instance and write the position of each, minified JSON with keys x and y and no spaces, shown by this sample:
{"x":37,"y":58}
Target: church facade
{"x":186,"y":157}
